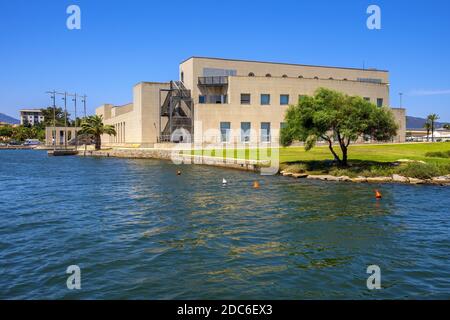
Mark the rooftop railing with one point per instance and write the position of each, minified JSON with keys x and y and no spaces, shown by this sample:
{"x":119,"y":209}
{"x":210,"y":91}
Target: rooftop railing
{"x":213,"y":81}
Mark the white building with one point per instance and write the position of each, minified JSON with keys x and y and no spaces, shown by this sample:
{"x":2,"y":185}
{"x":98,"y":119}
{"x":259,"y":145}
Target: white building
{"x":31,"y":116}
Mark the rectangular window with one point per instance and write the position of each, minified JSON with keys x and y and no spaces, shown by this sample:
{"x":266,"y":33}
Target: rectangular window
{"x":265,"y":131}
{"x":265,"y":99}
{"x":370,"y":80}
{"x":284,"y":99}
{"x":380,"y":102}
{"x":202,"y":99}
{"x":216,"y":72}
{"x":245,"y":98}
{"x":225,"y":131}
{"x":245,"y":131}
{"x":367,"y":98}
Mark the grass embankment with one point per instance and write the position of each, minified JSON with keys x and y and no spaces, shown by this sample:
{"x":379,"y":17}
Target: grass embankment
{"x":423,"y":160}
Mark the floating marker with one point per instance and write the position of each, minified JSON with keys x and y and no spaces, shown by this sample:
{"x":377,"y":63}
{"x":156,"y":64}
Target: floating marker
{"x":256,"y":185}
{"x":378,"y":195}
{"x":178,"y":173}
{"x":224,"y":181}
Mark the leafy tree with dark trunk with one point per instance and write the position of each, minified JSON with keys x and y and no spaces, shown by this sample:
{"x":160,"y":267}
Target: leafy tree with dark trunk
{"x":332,"y":116}
{"x":432,"y":118}
{"x":94,"y":126}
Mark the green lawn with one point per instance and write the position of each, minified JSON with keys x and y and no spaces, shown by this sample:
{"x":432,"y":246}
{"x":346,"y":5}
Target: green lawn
{"x":378,"y":153}
{"x":365,"y":160}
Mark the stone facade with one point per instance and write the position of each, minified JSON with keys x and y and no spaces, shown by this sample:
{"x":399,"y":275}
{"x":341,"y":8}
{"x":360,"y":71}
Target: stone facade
{"x":245,"y":99}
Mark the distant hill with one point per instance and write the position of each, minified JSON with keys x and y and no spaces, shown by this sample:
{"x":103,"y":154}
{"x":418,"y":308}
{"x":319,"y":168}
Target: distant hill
{"x":418,"y":123}
{"x":8,"y":119}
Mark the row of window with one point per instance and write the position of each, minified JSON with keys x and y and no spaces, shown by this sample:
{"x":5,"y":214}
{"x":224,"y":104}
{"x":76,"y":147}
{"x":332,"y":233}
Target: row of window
{"x":284,"y":99}
{"x":265,"y":99}
{"x":245,"y":134}
{"x":368,"y":80}
{"x":268,"y":75}
{"x":380,"y":101}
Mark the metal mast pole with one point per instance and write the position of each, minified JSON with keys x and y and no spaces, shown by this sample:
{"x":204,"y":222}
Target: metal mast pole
{"x":54,"y":119}
{"x":76,"y":131}
{"x":65,"y":120}
{"x":53,"y":97}
{"x":85,"y":116}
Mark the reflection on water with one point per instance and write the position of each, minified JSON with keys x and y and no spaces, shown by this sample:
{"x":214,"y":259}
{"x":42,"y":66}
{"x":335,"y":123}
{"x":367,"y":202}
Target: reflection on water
{"x":139,"y":231}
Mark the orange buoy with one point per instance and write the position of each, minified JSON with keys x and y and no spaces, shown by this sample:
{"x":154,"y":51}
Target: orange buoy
{"x":378,"y":194}
{"x":256,"y":185}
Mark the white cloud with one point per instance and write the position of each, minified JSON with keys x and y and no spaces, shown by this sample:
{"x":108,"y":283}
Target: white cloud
{"x":429,"y":92}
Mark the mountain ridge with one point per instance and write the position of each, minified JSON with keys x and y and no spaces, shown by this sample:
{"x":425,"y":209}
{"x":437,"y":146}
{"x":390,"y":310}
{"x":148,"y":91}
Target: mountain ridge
{"x":7,"y":119}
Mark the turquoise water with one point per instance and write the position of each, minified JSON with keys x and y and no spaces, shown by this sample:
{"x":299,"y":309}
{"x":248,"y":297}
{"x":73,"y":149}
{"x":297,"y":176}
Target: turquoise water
{"x":139,"y":231}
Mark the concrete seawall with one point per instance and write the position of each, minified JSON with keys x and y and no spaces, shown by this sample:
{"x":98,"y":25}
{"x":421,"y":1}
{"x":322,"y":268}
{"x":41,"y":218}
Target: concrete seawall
{"x":177,"y":158}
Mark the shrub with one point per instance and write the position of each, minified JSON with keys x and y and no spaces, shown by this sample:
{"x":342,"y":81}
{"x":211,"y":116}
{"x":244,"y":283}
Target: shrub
{"x":439,"y":154}
{"x":296,"y":168}
{"x":423,"y":170}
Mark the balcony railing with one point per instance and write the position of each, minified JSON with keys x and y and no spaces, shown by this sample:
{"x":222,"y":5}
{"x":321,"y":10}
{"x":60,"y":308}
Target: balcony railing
{"x":212,"y":81}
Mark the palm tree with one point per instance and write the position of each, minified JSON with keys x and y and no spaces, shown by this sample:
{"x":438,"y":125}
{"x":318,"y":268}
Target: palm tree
{"x":427,"y":126}
{"x":94,"y":126}
{"x":432,"y":118}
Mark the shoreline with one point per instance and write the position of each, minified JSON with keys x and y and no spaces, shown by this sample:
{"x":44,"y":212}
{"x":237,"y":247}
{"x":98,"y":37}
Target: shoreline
{"x":255,"y":166}
{"x":250,"y":166}
{"x":394,"y":179}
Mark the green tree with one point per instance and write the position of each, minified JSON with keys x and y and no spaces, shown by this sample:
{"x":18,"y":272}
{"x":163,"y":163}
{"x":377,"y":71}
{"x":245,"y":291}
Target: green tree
{"x":21,"y":133}
{"x":94,"y":126}
{"x":333,"y":116}
{"x":6,"y":132}
{"x":427,"y":127}
{"x":50,"y":114}
{"x":447,"y":126}
{"x":432,"y":118}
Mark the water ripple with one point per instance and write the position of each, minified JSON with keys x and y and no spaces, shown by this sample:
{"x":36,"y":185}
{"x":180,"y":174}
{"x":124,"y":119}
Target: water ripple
{"x":139,"y":231}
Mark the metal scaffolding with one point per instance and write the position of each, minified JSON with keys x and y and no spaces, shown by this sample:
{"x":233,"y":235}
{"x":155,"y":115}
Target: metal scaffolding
{"x":178,"y":109}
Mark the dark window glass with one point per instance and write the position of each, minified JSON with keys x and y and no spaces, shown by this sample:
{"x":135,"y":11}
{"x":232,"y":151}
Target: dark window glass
{"x":265,"y":99}
{"x":225,"y":131}
{"x":380,"y":102}
{"x":265,"y":131}
{"x":245,"y":98}
{"x":284,"y":99}
{"x":245,"y":131}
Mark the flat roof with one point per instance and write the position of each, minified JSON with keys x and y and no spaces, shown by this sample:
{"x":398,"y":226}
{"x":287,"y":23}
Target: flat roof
{"x":283,"y":63}
{"x":30,"y":110}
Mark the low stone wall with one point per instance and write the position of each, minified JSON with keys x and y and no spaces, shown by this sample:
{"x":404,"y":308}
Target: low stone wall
{"x":177,"y":158}
{"x":443,"y":181}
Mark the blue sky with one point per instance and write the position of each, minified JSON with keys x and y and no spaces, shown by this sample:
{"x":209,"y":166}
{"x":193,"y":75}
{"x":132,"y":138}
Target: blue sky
{"x":124,"y":42}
